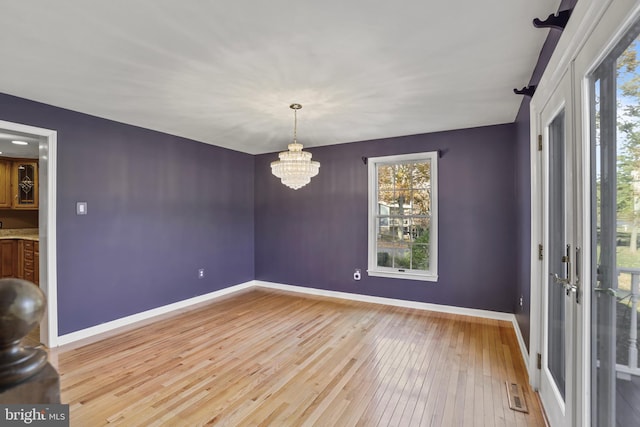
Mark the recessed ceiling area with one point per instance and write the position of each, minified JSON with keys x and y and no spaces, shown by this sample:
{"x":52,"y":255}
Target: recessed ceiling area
{"x":26,"y":151}
{"x":225,"y":73}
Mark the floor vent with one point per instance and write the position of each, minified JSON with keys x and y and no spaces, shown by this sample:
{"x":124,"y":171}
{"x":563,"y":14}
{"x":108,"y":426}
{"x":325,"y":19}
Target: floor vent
{"x":516,"y":398}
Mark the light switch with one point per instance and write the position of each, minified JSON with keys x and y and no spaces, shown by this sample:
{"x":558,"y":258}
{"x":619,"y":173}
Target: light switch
{"x":81,"y":208}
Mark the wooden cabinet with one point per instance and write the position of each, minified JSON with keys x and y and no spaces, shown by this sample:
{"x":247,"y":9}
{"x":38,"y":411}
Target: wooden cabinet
{"x":36,"y":263}
{"x":5,"y":183}
{"x":28,"y":261}
{"x":18,"y":183}
{"x":24,"y":184}
{"x":8,"y":258}
{"x":20,"y":258}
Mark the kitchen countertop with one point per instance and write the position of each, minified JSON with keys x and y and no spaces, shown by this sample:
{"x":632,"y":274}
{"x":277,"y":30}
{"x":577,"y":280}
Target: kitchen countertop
{"x":19,"y":233}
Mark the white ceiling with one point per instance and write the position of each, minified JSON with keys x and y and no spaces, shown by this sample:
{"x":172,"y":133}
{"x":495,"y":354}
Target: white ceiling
{"x":225,"y":72}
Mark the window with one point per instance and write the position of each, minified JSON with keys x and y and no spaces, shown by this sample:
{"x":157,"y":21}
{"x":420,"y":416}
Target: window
{"x":403,"y":216}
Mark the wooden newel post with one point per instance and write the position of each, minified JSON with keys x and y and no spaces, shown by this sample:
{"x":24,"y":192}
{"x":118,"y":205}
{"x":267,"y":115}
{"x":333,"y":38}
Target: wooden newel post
{"x":25,"y":375}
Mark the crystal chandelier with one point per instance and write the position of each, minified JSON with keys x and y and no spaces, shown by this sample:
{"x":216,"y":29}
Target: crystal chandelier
{"x":295,"y":167}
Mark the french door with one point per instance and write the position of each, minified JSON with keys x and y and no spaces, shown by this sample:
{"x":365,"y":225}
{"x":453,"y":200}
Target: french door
{"x":614,"y":116}
{"x":561,"y":272}
{"x":586,"y":213}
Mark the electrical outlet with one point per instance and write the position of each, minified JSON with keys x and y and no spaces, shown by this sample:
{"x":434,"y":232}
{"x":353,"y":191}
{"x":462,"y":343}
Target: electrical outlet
{"x":81,"y":208}
{"x":521,"y":301}
{"x":356,"y":274}
{"x":201,"y":273}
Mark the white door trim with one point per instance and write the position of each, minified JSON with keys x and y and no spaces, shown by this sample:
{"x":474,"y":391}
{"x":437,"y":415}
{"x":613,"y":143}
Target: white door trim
{"x":594,"y":28}
{"x":47,"y":225}
{"x":584,"y":18}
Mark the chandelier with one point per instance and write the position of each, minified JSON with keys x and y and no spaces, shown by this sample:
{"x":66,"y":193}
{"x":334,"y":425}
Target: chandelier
{"x":295,"y":167}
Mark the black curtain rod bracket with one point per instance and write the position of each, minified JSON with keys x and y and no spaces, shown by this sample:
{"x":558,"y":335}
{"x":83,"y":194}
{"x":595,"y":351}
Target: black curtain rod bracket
{"x":557,"y":21}
{"x":526,"y":91}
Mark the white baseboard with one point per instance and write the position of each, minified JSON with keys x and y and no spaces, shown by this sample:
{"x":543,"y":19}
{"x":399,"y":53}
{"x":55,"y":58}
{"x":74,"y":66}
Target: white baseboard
{"x":145,"y":315}
{"x":523,"y":346}
{"x":129,"y":321}
{"x":487,"y":314}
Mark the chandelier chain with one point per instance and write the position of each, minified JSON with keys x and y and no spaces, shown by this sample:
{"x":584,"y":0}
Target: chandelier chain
{"x":295,"y":125}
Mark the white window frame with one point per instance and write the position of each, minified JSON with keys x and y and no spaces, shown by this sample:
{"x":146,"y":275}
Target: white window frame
{"x":398,"y":273}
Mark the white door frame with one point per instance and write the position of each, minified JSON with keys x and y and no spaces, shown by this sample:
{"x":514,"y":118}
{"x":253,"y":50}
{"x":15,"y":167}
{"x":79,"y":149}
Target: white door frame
{"x":614,"y":23}
{"x":47,"y":150}
{"x":584,"y":19}
{"x":593,"y":30}
{"x":561,"y":101}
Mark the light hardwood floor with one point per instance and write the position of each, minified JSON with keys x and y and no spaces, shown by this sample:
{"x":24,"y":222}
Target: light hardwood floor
{"x":272,"y":358}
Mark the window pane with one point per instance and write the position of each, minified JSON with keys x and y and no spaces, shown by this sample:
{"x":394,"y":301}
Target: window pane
{"x":404,"y":191}
{"x":421,"y":202}
{"x":387,"y":230}
{"x":386,"y":198}
{"x":421,"y":229}
{"x":392,"y":244}
{"x":402,"y":256}
{"x":420,"y":243}
{"x":403,"y":175}
{"x":403,"y":211}
{"x":420,"y":256}
{"x":403,"y":243}
{"x":405,"y":187}
{"x":384,"y":258}
{"x":385,"y":177}
{"x":422,"y":175}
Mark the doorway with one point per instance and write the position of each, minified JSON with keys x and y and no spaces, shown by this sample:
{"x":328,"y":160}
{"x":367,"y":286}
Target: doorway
{"x":47,"y":155}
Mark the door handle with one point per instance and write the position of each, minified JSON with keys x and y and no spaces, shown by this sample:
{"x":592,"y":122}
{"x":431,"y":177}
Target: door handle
{"x":577,"y":262}
{"x":560,"y":280}
{"x":566,"y":282}
{"x":571,"y":288}
{"x":567,"y":260}
{"x":578,"y":284}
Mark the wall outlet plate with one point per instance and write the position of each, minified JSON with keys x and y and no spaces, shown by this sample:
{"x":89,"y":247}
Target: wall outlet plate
{"x":81,"y":208}
{"x":201,"y":273}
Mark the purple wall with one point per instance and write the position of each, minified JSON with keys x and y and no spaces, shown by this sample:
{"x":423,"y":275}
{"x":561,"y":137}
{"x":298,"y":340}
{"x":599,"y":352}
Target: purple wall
{"x":159,"y":208}
{"x":317,"y":236}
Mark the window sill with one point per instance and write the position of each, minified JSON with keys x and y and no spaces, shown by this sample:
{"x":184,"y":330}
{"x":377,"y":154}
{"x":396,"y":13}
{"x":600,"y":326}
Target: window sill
{"x":403,"y":275}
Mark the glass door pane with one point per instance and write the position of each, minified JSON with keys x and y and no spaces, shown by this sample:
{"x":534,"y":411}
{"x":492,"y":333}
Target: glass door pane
{"x":558,"y":296}
{"x":557,"y":251}
{"x":615,"y":183}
